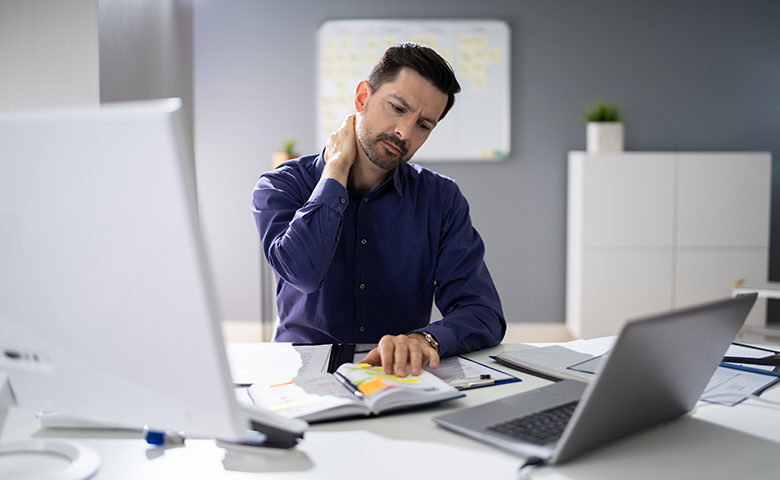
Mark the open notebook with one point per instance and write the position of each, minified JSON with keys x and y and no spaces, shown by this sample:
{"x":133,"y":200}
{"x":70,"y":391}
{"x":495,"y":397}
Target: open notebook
{"x":353,"y":390}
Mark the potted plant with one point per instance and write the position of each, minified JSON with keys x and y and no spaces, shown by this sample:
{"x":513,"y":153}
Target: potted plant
{"x":287,"y":153}
{"x":604,"y":128}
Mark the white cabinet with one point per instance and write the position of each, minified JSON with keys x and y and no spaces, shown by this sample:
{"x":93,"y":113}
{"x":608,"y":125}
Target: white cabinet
{"x":648,"y":232}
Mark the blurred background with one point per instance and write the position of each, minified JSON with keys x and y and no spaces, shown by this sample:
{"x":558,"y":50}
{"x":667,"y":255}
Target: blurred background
{"x":692,"y":75}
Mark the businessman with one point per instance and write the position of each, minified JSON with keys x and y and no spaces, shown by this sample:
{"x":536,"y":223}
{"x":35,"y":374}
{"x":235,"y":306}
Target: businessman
{"x":362,"y":242}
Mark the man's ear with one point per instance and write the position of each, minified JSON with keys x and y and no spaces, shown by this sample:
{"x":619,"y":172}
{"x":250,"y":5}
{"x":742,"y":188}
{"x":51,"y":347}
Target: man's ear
{"x":362,"y":92}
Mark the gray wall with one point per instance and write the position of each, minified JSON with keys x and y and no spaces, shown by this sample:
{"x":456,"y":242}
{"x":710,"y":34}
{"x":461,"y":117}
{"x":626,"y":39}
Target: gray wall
{"x":689,"y":75}
{"x":146,"y":51}
{"x":48,"y":53}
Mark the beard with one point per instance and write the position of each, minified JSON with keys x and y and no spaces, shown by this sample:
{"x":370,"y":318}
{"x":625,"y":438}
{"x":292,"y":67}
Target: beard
{"x":379,"y":154}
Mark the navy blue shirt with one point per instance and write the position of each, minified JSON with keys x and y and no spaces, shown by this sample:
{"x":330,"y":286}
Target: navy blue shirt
{"x":352,"y":267}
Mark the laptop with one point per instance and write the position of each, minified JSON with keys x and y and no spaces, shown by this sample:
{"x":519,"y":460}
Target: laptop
{"x":655,"y":373}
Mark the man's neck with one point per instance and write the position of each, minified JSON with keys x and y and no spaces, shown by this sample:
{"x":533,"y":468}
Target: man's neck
{"x":364,"y":176}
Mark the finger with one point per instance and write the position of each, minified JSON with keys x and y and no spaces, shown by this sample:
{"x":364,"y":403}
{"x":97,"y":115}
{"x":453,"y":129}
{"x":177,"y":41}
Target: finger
{"x":372,"y":358}
{"x":433,"y":357}
{"x":386,"y":349}
{"x":415,"y":358}
{"x":401,"y":355}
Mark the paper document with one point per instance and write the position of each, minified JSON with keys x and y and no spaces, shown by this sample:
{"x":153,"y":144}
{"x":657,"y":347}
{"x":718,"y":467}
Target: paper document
{"x":737,"y":350}
{"x":260,"y":362}
{"x":729,"y":387}
{"x":462,"y":372}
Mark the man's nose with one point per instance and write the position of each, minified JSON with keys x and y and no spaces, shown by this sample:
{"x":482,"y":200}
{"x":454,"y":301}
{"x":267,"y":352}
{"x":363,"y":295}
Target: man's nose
{"x":403,"y":129}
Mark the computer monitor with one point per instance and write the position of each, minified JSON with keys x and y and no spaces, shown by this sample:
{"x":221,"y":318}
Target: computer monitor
{"x":107,"y":310}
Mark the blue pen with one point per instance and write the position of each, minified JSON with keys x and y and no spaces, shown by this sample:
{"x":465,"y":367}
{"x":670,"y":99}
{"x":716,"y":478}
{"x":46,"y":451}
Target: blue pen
{"x":733,"y":366}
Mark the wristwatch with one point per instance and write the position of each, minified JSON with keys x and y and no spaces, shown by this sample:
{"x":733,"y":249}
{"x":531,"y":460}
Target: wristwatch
{"x":430,"y":339}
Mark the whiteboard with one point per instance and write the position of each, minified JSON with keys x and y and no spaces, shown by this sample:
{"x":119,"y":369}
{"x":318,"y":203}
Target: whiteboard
{"x":477,"y":127}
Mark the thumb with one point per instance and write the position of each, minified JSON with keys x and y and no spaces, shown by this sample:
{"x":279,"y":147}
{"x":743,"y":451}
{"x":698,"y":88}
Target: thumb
{"x":372,"y":357}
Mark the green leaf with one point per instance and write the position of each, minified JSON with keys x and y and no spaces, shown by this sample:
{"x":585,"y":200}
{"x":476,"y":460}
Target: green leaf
{"x":601,"y":112}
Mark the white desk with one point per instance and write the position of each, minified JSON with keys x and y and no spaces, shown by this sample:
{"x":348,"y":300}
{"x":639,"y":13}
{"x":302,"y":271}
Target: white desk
{"x":716,"y":442}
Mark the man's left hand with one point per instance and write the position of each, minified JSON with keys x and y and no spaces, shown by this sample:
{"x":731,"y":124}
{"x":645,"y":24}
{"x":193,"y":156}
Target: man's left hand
{"x":403,"y":354}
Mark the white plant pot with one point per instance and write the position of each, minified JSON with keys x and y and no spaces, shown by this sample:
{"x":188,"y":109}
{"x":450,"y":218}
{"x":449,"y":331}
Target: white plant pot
{"x":605,"y":137}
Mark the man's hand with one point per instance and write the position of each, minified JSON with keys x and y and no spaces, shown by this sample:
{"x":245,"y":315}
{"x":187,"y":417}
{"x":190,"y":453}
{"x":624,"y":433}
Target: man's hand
{"x":397,"y":352}
{"x":341,"y":151}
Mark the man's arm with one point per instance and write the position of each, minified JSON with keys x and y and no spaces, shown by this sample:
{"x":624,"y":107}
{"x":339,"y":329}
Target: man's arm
{"x":299,"y":228}
{"x":465,"y":294}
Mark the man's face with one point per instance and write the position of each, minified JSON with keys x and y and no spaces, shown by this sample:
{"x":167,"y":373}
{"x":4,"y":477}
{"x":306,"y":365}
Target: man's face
{"x":397,"y":118}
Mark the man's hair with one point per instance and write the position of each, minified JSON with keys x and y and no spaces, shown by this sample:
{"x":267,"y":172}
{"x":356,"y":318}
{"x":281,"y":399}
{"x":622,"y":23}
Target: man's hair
{"x":424,"y":61}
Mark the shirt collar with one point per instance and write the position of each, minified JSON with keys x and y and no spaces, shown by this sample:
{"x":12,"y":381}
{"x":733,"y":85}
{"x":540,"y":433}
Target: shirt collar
{"x":396,"y":176}
{"x":398,"y":179}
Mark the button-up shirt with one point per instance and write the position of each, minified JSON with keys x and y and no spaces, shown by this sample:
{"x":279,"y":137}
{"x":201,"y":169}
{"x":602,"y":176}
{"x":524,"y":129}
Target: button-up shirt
{"x":352,"y":267}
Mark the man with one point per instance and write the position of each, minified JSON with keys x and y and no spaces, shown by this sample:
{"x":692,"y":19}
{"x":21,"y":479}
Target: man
{"x":361,"y":241}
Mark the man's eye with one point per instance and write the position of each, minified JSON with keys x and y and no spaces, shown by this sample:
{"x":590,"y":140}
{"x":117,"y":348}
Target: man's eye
{"x":397,"y":108}
{"x":424,"y":126}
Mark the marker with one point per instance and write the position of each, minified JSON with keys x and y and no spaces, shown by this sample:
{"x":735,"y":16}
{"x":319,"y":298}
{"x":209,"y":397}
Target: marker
{"x":159,"y":438}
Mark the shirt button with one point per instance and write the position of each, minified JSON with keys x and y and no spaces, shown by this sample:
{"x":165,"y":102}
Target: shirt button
{"x":363,"y":241}
{"x":362,"y":286}
{"x":365,"y":199}
{"x":362,"y":329}
{"x":343,"y":200}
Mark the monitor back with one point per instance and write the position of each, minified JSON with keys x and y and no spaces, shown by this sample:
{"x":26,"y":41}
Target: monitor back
{"x":106,"y":305}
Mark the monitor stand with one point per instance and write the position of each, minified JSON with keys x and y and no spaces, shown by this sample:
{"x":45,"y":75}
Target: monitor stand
{"x":84,"y":461}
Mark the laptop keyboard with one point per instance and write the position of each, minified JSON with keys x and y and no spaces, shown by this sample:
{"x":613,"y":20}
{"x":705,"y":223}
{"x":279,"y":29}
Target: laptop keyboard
{"x":539,"y":428}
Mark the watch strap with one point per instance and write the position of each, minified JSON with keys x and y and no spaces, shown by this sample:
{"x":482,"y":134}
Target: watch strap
{"x":430,"y":339}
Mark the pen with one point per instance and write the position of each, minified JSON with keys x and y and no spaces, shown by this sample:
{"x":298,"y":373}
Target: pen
{"x":480,"y":381}
{"x":345,"y":381}
{"x":750,"y":369}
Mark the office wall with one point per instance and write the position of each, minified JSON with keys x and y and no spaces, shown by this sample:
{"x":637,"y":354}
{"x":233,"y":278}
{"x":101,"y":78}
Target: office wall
{"x":48,"y":53}
{"x":689,"y":75}
{"x":146,"y":51}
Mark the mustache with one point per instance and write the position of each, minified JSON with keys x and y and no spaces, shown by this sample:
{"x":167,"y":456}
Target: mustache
{"x":395,"y":141}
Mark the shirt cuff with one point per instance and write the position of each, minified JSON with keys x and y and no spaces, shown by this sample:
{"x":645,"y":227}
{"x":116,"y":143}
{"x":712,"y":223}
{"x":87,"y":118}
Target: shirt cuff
{"x":331,"y":193}
{"x":444,"y":336}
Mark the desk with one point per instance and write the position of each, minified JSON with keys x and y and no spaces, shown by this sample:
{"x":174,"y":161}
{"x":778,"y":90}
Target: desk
{"x":716,"y":442}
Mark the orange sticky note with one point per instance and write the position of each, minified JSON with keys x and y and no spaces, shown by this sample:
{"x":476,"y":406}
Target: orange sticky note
{"x":370,"y":387}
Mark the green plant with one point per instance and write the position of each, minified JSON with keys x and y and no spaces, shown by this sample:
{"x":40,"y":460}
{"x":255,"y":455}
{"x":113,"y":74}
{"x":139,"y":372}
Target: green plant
{"x":289,"y":146}
{"x":601,"y":112}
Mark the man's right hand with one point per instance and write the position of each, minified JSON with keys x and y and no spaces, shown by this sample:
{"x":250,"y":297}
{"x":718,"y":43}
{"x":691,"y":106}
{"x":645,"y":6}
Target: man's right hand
{"x":341,"y":151}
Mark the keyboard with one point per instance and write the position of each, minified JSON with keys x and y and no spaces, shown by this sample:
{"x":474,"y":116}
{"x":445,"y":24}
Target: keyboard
{"x":540,"y":428}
